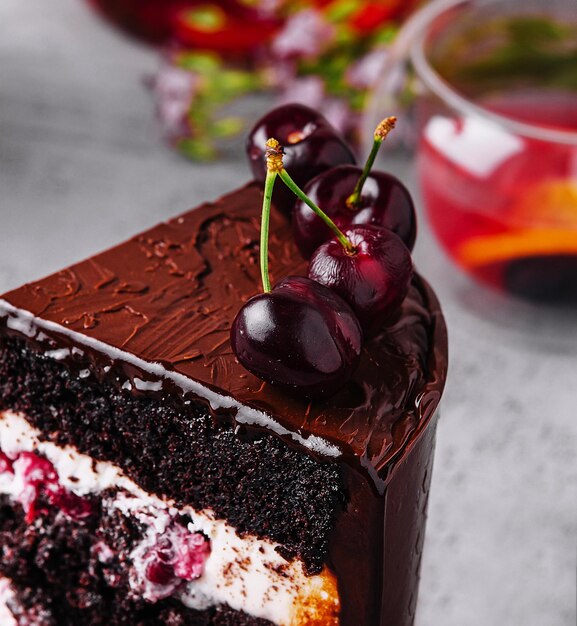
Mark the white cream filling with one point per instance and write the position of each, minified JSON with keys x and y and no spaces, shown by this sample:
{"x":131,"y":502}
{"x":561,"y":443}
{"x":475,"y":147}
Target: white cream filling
{"x":6,"y":595}
{"x":245,"y":573}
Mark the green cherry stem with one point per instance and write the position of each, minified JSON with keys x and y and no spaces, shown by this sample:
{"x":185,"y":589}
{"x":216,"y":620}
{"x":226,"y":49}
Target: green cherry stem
{"x":382,"y":130}
{"x":274,"y":153}
{"x":274,"y":168}
{"x":290,"y":183}
{"x":264,"y":224}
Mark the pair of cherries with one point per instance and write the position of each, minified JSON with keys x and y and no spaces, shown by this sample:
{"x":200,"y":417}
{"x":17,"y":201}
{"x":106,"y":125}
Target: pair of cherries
{"x":357,"y":228}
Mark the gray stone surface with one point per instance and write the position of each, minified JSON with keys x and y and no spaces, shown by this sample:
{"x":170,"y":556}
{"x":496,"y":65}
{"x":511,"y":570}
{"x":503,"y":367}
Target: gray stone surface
{"x":81,"y":167}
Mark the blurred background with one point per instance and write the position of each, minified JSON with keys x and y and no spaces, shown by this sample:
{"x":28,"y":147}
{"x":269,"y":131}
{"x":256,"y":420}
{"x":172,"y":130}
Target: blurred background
{"x":116,"y":114}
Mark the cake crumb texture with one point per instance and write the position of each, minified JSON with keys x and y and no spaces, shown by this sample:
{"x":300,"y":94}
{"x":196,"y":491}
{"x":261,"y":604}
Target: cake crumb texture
{"x":58,"y":579}
{"x":253,"y":480}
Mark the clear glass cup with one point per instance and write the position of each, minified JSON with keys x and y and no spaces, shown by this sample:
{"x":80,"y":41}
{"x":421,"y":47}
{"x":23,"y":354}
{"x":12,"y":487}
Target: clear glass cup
{"x":488,"y":91}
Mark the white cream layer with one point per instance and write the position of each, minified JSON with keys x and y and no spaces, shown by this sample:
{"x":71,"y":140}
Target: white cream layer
{"x":245,"y":573}
{"x":6,"y":595}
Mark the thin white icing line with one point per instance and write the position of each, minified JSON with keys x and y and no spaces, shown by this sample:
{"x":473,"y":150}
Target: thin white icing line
{"x":25,"y":322}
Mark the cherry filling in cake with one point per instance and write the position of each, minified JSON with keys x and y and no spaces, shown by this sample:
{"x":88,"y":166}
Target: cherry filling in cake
{"x":175,"y":552}
{"x":33,"y":479}
{"x":168,"y":555}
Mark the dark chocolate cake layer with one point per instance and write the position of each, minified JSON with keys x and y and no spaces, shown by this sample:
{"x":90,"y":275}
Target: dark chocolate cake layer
{"x":58,"y":579}
{"x":257,"y":484}
{"x":166,"y":300}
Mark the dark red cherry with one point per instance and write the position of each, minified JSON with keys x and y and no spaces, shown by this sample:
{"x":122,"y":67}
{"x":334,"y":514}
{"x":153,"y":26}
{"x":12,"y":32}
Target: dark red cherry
{"x":374,"y":280}
{"x":384,"y":201}
{"x":310,"y":143}
{"x":6,"y":464}
{"x":70,"y":504}
{"x":300,"y":336}
{"x":159,"y":563}
{"x":159,"y":572}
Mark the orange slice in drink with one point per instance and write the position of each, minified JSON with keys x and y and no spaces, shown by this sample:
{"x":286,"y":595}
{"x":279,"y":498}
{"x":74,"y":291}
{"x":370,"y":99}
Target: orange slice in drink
{"x":542,"y":222}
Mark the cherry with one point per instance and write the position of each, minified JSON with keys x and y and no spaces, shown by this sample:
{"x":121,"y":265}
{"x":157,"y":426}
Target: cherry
{"x":192,"y":552}
{"x":238,"y":29}
{"x":38,"y":477}
{"x":150,"y":20}
{"x":349,"y":195}
{"x":36,"y":470}
{"x":159,"y":567}
{"x":5,"y":464}
{"x":300,"y":335}
{"x":177,"y":555}
{"x":159,"y":572}
{"x":374,"y":279}
{"x":311,"y":146}
{"x":70,"y":504}
{"x":384,"y":201}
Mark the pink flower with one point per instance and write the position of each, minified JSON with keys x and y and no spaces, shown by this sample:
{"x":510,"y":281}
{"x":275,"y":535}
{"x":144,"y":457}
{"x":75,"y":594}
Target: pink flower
{"x":364,"y":73}
{"x":306,"y":34}
{"x":174,"y":89}
{"x":309,"y":90}
{"x":339,"y":114}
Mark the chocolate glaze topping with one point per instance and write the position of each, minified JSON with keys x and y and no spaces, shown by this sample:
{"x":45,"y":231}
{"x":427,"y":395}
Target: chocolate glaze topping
{"x":168,"y":297}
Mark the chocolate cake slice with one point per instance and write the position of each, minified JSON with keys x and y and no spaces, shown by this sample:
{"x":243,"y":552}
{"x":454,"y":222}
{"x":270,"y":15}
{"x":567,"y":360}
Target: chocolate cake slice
{"x":147,"y":478}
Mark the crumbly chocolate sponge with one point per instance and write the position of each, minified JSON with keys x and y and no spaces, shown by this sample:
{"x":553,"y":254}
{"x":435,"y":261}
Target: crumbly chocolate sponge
{"x":256,"y":482}
{"x":59,"y":581}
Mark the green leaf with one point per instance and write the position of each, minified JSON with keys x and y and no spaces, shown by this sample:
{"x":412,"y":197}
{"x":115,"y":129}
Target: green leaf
{"x":204,"y":63}
{"x":198,"y":149}
{"x":341,"y":11}
{"x":227,"y":126}
{"x":385,"y":35}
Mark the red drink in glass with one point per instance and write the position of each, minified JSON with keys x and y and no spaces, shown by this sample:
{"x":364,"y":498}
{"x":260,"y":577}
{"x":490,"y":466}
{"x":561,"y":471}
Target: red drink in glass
{"x":504,"y":205}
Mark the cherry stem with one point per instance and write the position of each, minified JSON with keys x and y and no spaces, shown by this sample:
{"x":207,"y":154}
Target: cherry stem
{"x":290,"y":183}
{"x":264,"y":224}
{"x":382,"y":130}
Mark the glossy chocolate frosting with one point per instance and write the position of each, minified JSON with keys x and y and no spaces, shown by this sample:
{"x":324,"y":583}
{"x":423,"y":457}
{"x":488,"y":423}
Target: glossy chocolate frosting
{"x":168,"y":297}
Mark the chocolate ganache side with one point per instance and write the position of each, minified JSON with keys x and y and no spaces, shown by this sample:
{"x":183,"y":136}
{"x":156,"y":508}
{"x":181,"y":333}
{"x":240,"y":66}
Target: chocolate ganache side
{"x":163,"y":302}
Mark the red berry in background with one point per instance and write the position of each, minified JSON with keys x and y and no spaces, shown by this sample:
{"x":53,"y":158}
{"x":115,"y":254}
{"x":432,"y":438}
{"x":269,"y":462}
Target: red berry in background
{"x":300,"y":336}
{"x":371,"y":15}
{"x":149,"y":20}
{"x":232,"y":29}
{"x":384,"y":201}
{"x":311,"y":146}
{"x":374,"y":280}
{"x":228,"y":26}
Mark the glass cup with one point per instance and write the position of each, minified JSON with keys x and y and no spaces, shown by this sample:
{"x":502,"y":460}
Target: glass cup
{"x":488,"y":90}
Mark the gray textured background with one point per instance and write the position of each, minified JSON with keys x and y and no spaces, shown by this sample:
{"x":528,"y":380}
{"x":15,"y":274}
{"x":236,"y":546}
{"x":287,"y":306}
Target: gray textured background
{"x":81,"y":167}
